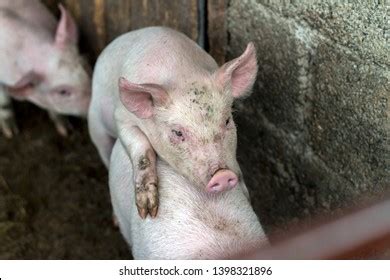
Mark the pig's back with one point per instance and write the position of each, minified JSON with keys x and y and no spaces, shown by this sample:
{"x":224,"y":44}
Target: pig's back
{"x":33,"y":13}
{"x":156,"y":54}
{"x":25,"y":27}
{"x":149,"y":55}
{"x":190,"y":225}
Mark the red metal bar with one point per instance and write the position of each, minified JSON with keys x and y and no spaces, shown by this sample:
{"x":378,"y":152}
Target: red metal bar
{"x":363,"y":234}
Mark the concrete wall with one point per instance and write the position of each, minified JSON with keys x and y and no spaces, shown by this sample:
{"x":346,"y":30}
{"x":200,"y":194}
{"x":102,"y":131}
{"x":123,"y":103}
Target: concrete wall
{"x":314,"y":133}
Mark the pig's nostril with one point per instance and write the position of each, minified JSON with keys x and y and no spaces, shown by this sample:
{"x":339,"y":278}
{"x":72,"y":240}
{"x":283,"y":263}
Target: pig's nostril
{"x":232,"y":182}
{"x":215,"y":188}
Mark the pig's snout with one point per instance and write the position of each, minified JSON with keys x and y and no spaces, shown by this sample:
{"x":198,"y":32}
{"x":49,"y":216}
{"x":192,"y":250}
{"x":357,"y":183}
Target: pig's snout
{"x":223,"y":179}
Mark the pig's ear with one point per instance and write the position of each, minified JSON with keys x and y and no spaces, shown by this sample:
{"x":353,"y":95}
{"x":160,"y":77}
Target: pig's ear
{"x":239,"y":74}
{"x":66,"y":33}
{"x":141,"y":99}
{"x":25,"y":85}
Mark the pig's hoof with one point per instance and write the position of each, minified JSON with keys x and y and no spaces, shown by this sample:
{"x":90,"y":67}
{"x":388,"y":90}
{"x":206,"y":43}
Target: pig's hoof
{"x":147,"y":199}
{"x":61,"y":124}
{"x":115,"y":222}
{"x":63,"y":127}
{"x":8,"y":127}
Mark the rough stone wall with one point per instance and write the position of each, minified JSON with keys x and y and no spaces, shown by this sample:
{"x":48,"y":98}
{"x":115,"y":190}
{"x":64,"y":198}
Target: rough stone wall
{"x":313,"y":137}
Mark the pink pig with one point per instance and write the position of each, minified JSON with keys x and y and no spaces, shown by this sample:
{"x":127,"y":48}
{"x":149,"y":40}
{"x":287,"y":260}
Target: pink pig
{"x":158,"y":91}
{"x":40,"y":63}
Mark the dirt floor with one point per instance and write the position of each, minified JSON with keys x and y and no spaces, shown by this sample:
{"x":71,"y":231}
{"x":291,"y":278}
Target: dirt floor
{"x":54,"y":199}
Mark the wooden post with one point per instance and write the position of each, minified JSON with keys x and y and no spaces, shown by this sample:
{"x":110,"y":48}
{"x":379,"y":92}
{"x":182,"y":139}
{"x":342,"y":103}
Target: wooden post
{"x":217,"y":29}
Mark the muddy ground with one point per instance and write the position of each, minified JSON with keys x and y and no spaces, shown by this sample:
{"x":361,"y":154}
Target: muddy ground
{"x":54,"y":199}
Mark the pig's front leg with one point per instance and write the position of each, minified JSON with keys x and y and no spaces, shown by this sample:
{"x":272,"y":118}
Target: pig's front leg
{"x":8,"y":125}
{"x":143,"y":158}
{"x":61,"y":123}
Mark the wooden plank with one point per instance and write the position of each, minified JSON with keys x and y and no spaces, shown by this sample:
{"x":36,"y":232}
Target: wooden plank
{"x":178,"y":14}
{"x":118,"y":19}
{"x":101,"y":21}
{"x":92,"y":23}
{"x":217,"y":29}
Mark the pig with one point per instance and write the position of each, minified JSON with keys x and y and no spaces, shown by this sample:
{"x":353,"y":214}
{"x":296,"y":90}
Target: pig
{"x":157,"y":91}
{"x":200,"y":225}
{"x":40,"y":63}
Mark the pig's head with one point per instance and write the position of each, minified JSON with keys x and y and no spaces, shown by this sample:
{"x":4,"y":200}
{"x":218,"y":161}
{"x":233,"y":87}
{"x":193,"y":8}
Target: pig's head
{"x":61,"y":82}
{"x":192,"y":129}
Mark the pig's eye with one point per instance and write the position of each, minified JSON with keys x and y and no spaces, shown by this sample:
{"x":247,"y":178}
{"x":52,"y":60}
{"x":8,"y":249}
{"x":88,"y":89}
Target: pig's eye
{"x":64,"y":92}
{"x":178,"y":134}
{"x":227,"y":121}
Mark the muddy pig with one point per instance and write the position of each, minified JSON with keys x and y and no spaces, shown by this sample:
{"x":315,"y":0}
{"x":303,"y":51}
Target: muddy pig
{"x":40,"y":63}
{"x":159,"y":92}
{"x":190,"y":225}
